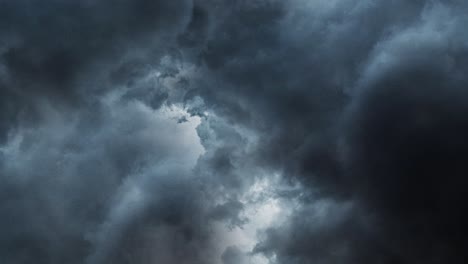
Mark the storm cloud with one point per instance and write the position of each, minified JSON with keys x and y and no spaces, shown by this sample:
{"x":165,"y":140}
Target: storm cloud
{"x":213,"y":131}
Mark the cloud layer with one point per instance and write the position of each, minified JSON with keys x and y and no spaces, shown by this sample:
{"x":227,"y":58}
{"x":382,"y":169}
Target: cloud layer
{"x":212,"y":131}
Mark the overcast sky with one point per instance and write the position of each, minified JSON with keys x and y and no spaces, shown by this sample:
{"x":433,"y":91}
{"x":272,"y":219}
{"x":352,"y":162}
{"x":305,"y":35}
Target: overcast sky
{"x":233,"y":131}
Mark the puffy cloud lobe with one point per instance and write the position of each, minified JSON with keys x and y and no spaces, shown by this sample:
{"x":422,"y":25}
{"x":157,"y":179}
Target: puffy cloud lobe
{"x":324,"y":232}
{"x":400,"y":158}
{"x":363,"y":105}
{"x":74,"y":190}
{"x":64,"y":51}
{"x":92,"y":172}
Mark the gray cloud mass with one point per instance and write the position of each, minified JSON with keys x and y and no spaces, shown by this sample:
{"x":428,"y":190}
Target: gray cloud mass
{"x":233,"y":132}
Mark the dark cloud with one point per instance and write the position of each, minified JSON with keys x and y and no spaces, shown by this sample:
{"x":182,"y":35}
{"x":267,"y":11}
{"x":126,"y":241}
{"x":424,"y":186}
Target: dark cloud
{"x":398,"y":155}
{"x":233,"y":255}
{"x":408,"y":160}
{"x":140,"y":131}
{"x":402,"y":157}
{"x":75,"y":190}
{"x":48,"y":49}
{"x":325,"y":232}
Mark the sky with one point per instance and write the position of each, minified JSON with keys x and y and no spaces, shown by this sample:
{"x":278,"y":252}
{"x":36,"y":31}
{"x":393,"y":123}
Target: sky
{"x":233,"y":131}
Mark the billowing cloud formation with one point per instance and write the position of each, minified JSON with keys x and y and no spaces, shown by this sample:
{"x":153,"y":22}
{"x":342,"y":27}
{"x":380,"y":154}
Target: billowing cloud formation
{"x":220,"y":131}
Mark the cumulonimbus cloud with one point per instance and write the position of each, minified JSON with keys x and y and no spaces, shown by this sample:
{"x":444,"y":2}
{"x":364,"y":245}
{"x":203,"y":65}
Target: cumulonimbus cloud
{"x":169,"y":131}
